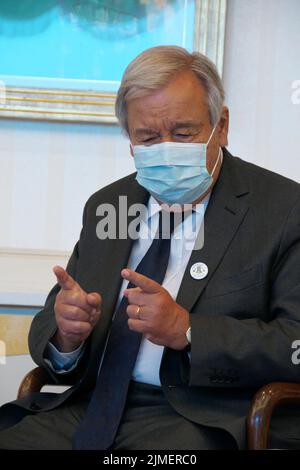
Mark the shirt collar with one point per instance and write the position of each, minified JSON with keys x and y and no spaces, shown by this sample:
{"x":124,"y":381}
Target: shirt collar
{"x":154,"y":206}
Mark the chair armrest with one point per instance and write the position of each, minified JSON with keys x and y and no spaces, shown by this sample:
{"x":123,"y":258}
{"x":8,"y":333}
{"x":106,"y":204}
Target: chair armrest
{"x":262,"y":407}
{"x":34,"y":381}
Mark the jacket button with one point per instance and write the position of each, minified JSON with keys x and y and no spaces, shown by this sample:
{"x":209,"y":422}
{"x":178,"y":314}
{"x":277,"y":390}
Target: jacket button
{"x":35,"y":406}
{"x":217,"y":379}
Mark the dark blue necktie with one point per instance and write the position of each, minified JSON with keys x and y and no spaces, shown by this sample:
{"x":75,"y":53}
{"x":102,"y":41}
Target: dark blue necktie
{"x":99,"y":427}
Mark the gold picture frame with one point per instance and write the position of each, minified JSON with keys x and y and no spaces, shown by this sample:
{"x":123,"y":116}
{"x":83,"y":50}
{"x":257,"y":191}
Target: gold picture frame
{"x":92,"y":106}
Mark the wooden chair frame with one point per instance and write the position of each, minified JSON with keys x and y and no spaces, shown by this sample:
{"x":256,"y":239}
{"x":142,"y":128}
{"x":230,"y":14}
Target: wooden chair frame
{"x":258,"y":419}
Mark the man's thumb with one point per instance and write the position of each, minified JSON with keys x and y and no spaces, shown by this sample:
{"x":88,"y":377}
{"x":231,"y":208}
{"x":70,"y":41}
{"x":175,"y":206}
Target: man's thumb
{"x":94,"y":299}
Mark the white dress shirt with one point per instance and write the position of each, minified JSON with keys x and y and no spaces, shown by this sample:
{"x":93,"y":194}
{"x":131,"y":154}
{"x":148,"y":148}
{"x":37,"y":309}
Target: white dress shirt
{"x":182,"y":243}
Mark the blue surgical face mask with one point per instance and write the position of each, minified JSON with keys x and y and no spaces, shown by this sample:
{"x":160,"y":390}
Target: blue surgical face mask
{"x":174,"y":172}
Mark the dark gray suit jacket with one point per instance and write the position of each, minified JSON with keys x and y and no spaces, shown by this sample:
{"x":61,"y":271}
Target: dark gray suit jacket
{"x":244,"y":315}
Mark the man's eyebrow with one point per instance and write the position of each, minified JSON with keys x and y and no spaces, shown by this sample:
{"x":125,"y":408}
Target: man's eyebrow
{"x":145,"y":131}
{"x":176,"y":125}
{"x":187,"y":124}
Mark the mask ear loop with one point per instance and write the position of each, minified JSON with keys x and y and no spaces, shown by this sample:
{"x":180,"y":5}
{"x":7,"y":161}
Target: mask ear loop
{"x":220,"y":152}
{"x":212,"y":133}
{"x":217,"y":161}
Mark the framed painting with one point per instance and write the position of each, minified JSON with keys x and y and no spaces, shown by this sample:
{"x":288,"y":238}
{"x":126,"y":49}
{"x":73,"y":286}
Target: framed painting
{"x":14,"y":328}
{"x":63,"y":59}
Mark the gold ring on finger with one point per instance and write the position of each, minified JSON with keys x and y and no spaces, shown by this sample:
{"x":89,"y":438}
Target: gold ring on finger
{"x":138,"y":312}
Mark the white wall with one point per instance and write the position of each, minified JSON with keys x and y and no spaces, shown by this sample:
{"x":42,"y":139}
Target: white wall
{"x":262,"y":59}
{"x":48,"y":170}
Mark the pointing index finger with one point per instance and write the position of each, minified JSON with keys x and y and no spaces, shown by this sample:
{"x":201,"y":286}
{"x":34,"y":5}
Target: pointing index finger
{"x":139,"y":280}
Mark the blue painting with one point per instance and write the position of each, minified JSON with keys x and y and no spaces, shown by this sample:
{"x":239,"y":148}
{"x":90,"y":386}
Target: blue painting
{"x":85,"y":41}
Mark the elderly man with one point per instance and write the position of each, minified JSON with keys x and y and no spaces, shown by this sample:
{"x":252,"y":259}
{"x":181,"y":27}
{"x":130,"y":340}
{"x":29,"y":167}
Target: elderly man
{"x":166,"y":344}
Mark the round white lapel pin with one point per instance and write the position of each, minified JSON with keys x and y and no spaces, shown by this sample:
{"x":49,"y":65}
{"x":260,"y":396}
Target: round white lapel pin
{"x":199,"y":271}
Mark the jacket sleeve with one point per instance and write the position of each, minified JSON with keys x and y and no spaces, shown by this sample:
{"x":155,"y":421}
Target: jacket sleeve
{"x":232,"y":352}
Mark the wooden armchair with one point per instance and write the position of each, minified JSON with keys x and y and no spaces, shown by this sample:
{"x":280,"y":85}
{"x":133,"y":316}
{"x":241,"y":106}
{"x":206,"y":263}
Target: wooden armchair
{"x":258,"y":419}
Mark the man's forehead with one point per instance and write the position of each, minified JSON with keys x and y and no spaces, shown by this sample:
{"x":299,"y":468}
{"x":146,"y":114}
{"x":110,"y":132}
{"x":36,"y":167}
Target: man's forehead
{"x":166,"y":114}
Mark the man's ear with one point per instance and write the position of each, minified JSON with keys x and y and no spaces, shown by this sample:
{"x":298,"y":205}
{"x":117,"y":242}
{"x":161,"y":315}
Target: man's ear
{"x":223,"y":127}
{"x":131,"y":149}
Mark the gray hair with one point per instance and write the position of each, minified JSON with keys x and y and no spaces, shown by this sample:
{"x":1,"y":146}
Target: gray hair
{"x":155,"y":67}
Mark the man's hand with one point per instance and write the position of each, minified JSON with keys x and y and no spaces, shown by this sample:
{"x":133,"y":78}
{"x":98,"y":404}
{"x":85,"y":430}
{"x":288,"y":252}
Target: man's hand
{"x":153,"y":312}
{"x":76,"y":312}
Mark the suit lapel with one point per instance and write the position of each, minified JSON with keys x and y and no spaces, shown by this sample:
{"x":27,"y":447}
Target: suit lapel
{"x":225,"y":213}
